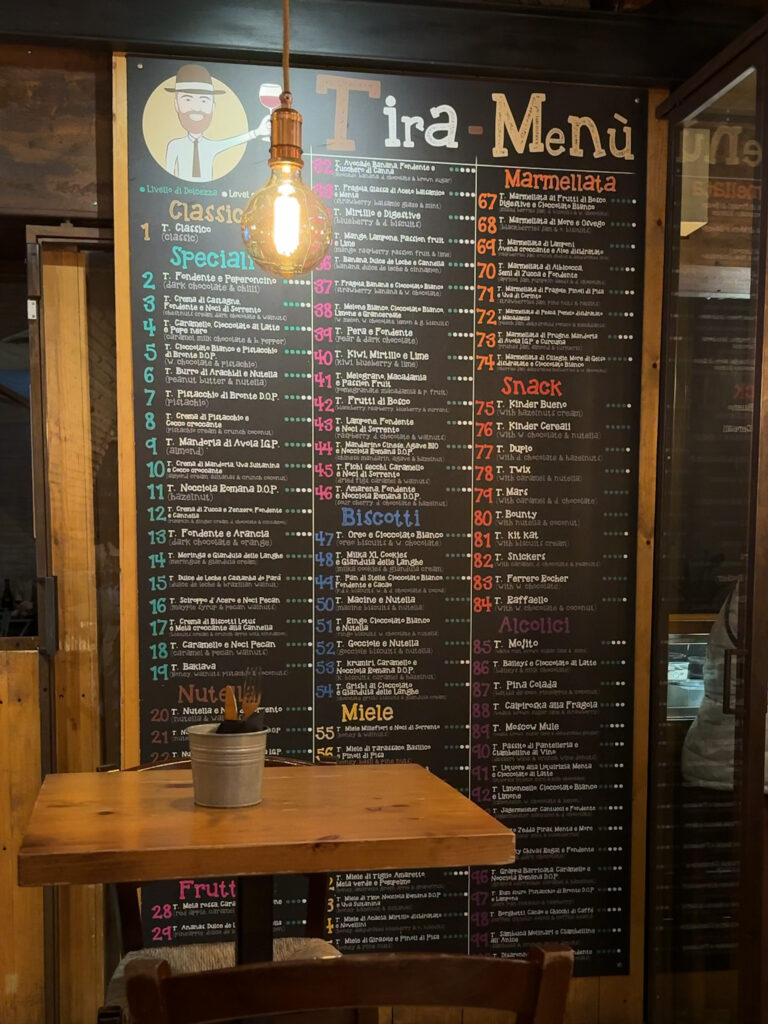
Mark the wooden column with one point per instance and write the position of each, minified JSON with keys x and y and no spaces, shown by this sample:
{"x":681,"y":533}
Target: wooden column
{"x":22,"y":976}
{"x":621,"y":998}
{"x":66,"y":411}
{"x":129,"y":598}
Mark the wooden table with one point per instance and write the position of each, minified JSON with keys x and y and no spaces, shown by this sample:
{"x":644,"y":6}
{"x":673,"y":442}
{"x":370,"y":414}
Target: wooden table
{"x":144,"y":826}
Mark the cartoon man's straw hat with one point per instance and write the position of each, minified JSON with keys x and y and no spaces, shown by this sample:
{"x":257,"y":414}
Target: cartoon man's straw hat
{"x":194,"y":78}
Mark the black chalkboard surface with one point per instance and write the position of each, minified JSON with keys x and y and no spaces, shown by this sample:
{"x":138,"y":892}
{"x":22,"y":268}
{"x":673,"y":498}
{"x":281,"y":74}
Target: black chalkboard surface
{"x":403,"y":489}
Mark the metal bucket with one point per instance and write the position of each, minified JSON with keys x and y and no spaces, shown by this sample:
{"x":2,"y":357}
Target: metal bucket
{"x":227,"y":768}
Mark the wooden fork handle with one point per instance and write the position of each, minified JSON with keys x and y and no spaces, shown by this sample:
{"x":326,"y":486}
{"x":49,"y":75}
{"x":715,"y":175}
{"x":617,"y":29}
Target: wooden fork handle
{"x":231,"y":710}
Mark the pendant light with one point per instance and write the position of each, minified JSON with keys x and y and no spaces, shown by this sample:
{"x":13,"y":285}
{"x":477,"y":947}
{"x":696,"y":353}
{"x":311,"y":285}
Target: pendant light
{"x":286,"y":227}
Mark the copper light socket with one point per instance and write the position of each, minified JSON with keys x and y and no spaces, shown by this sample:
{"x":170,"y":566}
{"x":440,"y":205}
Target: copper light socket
{"x":286,"y":135}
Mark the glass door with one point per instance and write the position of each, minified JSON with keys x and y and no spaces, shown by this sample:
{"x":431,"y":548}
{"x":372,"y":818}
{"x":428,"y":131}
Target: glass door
{"x":705,"y":943}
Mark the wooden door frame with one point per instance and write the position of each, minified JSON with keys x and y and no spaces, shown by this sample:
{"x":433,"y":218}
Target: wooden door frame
{"x":64,"y":235}
{"x":66,"y":912}
{"x":37,"y":236}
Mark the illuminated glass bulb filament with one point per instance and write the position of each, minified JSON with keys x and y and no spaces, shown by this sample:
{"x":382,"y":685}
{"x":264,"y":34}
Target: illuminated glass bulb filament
{"x":287,"y":220}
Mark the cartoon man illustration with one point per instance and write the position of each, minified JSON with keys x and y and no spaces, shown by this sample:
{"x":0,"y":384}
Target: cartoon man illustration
{"x":191,"y":157}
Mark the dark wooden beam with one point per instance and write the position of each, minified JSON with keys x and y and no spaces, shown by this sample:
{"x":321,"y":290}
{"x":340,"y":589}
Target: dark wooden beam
{"x":661,"y":44}
{"x":55,"y":136}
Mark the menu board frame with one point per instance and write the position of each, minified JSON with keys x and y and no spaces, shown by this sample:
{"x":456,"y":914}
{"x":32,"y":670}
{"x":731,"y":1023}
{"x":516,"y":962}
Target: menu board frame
{"x":590,"y":987}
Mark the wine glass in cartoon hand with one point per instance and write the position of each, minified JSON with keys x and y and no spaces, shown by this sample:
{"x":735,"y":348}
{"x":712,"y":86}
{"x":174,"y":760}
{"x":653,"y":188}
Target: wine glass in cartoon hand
{"x":269,"y":97}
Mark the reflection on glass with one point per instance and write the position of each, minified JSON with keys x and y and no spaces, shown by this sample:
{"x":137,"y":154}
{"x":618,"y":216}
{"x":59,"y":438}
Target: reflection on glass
{"x":18,"y":614}
{"x":703,"y":556}
{"x":102,"y":374}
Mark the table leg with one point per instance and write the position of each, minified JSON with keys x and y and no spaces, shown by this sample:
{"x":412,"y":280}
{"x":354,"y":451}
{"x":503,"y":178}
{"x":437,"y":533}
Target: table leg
{"x":253,"y":919}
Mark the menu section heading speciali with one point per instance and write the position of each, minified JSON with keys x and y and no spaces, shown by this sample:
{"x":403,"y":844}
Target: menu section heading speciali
{"x":401,"y":490}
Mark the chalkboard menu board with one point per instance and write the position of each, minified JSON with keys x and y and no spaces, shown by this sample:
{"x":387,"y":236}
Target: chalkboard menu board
{"x":402,"y":489}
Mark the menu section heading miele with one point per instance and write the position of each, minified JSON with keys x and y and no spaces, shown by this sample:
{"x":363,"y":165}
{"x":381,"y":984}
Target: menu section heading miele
{"x":401,"y":490}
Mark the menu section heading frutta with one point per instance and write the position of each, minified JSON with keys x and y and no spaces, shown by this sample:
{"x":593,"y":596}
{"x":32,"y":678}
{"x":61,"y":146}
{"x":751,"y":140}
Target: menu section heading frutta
{"x":402,"y":490}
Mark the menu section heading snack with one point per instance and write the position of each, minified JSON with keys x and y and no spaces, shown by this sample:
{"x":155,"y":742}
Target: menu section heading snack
{"x":401,"y":490}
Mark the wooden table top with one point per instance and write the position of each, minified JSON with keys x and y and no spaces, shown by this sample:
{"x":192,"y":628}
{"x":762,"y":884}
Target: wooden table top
{"x":143,"y":826}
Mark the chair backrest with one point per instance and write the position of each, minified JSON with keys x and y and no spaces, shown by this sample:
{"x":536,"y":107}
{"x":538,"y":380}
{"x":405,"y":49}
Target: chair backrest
{"x":535,"y":988}
{"x":127,"y":893}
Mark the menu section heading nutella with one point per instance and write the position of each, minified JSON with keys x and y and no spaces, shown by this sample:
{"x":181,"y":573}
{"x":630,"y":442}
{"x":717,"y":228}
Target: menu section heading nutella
{"x":401,"y":490}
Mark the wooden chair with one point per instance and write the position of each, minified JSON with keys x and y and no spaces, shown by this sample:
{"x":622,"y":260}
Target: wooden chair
{"x":536,"y":988}
{"x":206,"y":955}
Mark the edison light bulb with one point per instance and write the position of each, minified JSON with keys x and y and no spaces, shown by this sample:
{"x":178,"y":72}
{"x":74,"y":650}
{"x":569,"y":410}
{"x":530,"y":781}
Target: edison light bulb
{"x":286,"y":227}
{"x":287,"y":219}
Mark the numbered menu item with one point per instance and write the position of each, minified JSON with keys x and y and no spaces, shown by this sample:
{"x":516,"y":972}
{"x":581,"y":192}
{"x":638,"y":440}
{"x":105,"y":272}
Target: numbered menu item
{"x":551,"y":607}
{"x":402,"y":489}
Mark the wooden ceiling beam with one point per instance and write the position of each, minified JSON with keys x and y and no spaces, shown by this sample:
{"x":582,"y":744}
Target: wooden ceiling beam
{"x":659,"y":45}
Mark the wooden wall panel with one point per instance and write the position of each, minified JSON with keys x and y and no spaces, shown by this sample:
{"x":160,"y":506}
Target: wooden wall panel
{"x":427,"y":1015}
{"x":55,"y":133}
{"x":22,"y":977}
{"x":75,"y":666}
{"x":70,"y":491}
{"x":469,"y":1015}
{"x":584,"y":1002}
